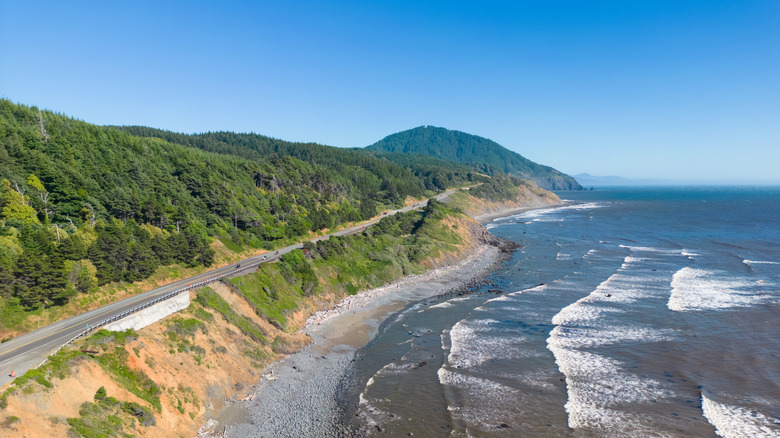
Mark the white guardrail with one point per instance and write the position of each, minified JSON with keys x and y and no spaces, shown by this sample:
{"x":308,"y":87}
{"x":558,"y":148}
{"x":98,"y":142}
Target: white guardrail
{"x":148,"y":304}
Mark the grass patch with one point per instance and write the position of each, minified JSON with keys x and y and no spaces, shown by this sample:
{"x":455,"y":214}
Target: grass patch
{"x":229,"y":244}
{"x":203,"y":315}
{"x":186,"y":327}
{"x":270,"y":293}
{"x":108,"y":417}
{"x":114,"y":362}
{"x":9,"y":421}
{"x":208,"y":298}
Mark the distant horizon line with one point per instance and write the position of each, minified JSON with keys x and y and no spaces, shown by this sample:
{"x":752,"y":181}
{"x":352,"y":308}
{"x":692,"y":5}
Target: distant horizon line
{"x":586,"y":179}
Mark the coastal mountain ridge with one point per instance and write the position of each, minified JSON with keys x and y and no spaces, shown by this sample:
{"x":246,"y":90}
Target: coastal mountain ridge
{"x":481,"y":153}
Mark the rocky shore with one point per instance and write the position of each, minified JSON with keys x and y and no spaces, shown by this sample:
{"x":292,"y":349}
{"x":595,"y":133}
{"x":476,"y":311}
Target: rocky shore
{"x":299,"y":395}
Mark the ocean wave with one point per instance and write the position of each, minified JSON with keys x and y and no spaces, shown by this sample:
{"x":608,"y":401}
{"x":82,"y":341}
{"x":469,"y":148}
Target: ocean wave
{"x":696,"y":289}
{"x":759,"y":262}
{"x":574,"y":337}
{"x":653,"y":249}
{"x":482,"y":401}
{"x":599,"y":387}
{"x":475,"y":341}
{"x":596,"y":383}
{"x":738,"y":422}
{"x":442,"y":305}
{"x":542,"y":212}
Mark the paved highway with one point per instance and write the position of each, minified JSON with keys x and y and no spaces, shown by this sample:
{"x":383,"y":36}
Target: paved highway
{"x":29,"y":350}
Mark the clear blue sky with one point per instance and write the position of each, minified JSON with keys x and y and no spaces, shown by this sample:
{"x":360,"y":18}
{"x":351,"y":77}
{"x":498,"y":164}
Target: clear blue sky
{"x":637,"y":88}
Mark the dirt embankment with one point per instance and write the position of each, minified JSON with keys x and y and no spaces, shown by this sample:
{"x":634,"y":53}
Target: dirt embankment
{"x":197,"y":374}
{"x":527,"y":198}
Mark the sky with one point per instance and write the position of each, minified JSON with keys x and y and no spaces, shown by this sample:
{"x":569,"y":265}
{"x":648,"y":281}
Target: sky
{"x":686,"y":90}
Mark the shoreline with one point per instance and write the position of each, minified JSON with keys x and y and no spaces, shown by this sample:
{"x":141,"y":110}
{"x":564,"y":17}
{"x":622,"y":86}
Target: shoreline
{"x":487,"y":217}
{"x":297,"y":395}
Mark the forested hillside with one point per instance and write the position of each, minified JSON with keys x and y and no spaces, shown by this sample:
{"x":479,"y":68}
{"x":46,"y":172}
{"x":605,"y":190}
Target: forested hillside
{"x":482,"y":154}
{"x":83,"y":205}
{"x":384,"y":178}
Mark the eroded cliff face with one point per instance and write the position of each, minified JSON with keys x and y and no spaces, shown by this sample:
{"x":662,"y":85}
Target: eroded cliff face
{"x":193,"y":363}
{"x":526,"y":198}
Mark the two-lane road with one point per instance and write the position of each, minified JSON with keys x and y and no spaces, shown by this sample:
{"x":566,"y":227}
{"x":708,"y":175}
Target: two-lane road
{"x":29,"y":350}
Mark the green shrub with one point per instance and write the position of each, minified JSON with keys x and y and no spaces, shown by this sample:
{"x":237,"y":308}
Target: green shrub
{"x":186,"y":326}
{"x":203,"y":314}
{"x":100,"y":394}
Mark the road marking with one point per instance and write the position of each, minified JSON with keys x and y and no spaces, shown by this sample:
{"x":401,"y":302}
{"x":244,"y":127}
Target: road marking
{"x":98,"y":316}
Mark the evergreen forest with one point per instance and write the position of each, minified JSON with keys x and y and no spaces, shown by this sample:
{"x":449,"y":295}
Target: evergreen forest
{"x":479,"y":153}
{"x":84,"y":205}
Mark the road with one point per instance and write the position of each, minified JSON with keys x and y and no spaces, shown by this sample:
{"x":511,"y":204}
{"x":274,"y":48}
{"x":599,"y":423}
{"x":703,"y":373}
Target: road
{"x":29,"y":350}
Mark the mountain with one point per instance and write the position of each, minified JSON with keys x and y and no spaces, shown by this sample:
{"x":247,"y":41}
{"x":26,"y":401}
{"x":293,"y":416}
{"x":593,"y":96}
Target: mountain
{"x":482,"y":154}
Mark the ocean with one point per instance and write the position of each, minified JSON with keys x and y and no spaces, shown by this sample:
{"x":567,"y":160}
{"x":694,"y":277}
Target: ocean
{"x":627,"y":312}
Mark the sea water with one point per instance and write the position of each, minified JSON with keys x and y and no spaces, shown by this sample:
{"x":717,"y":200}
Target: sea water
{"x":627,"y":312}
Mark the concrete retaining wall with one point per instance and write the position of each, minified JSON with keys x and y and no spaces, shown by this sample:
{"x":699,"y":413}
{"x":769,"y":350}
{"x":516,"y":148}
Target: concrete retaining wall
{"x":152,"y":314}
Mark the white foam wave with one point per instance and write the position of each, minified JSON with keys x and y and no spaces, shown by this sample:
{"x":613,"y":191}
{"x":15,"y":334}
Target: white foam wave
{"x":482,"y":401}
{"x":652,"y":249}
{"x":596,"y":384}
{"x":540,"y":215}
{"x":538,"y":288}
{"x":580,"y":312}
{"x":474,"y":341}
{"x":442,"y":305}
{"x":569,"y":337}
{"x":759,"y":262}
{"x":738,"y":422}
{"x":697,"y":289}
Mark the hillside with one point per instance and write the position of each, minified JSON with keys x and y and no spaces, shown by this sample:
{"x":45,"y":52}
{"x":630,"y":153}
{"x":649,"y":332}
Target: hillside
{"x":390,"y":179}
{"x":82,"y":206}
{"x":500,"y":196}
{"x":484,"y":155}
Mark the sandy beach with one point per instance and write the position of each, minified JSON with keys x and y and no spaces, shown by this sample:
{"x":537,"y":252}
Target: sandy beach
{"x":297,"y":396}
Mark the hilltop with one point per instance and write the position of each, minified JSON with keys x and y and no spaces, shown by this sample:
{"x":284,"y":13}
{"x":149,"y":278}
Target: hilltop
{"x":483,"y":154}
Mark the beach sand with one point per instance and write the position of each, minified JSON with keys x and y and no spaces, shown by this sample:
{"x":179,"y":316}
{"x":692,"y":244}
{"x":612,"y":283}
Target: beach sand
{"x":297,"y":396}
